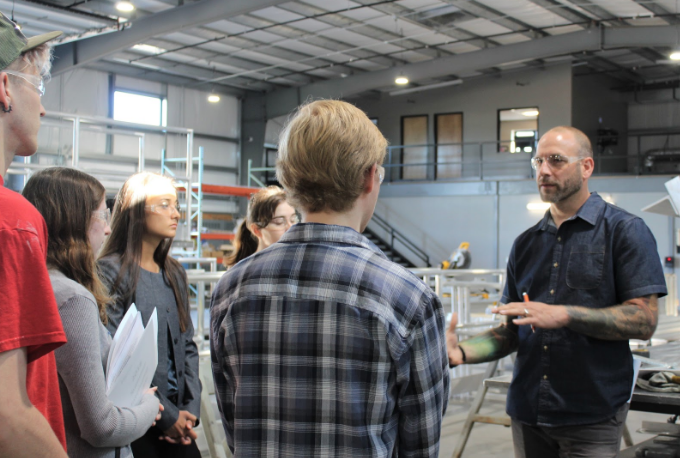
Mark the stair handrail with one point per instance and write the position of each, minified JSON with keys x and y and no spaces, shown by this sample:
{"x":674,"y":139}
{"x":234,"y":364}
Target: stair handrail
{"x":396,"y":235}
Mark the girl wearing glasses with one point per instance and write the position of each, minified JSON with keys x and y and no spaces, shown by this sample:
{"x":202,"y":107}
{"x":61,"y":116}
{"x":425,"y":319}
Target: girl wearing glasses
{"x":269,"y":217}
{"x":136,"y":268}
{"x":73,"y":205}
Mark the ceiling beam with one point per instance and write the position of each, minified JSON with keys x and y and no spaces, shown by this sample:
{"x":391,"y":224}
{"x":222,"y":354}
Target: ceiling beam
{"x":497,"y":17}
{"x":174,"y":79}
{"x":593,"y":39}
{"x":186,"y":69}
{"x":355,"y":26}
{"x":598,"y":12}
{"x":616,"y":69}
{"x":219,"y":60}
{"x":659,"y":11}
{"x":450,"y":30}
{"x":74,"y":54}
{"x":314,"y":39}
{"x":562,"y":10}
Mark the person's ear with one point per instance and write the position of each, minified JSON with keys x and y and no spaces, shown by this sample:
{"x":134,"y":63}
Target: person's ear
{"x":370,"y":178}
{"x":5,"y":97}
{"x":256,"y":230}
{"x":588,"y":164}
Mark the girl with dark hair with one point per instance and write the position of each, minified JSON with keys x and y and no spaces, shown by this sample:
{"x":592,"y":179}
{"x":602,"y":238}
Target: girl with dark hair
{"x":74,"y":208}
{"x":135,"y":266}
{"x":269,"y":216}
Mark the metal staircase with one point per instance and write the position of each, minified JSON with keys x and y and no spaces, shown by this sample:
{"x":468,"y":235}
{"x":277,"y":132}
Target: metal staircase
{"x":394,"y":244}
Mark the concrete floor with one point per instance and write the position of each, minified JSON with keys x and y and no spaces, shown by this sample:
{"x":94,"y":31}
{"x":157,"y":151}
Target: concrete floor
{"x":493,"y":441}
{"x":486,"y":441}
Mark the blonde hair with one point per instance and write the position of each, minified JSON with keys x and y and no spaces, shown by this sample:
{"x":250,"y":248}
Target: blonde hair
{"x":39,"y":57}
{"x":325,"y":151}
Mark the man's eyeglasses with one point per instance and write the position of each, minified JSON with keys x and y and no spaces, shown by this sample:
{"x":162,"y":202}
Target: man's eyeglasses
{"x":36,"y":81}
{"x":164,"y":208}
{"x":281,"y":221}
{"x":104,"y":215}
{"x":554,"y":161}
{"x":381,"y":173}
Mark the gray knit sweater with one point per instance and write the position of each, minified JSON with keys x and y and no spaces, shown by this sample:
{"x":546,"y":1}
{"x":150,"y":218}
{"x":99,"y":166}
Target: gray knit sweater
{"x":94,"y":426}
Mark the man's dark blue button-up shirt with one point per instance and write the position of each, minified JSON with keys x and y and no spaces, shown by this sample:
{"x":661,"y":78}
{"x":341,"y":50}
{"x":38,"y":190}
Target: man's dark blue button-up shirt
{"x":602,"y":256}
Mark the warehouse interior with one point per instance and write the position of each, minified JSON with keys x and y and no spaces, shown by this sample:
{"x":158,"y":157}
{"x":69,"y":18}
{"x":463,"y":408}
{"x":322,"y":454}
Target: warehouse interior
{"x":200,"y":90}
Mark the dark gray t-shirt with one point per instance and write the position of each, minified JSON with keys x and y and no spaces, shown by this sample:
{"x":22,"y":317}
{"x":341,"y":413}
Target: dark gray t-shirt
{"x":153,"y":291}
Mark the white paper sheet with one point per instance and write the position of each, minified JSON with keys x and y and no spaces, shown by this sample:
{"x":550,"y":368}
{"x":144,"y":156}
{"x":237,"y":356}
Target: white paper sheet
{"x":133,"y":360}
{"x":122,"y":335}
{"x":636,"y":370}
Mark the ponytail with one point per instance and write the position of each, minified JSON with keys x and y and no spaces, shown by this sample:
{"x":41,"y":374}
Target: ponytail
{"x":245,"y":244}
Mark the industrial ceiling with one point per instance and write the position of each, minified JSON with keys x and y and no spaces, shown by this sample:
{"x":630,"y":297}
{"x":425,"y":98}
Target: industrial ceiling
{"x":342,"y":47}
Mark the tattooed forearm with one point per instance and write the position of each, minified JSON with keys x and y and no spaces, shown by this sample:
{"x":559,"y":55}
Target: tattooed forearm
{"x":492,"y":344}
{"x":634,"y":319}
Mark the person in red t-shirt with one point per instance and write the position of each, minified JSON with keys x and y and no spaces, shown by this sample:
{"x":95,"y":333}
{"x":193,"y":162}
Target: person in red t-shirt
{"x":30,"y":327}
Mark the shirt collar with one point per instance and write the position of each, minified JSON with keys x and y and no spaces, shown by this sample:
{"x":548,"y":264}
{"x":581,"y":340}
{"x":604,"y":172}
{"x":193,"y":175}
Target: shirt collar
{"x":588,"y":212}
{"x":327,"y":233}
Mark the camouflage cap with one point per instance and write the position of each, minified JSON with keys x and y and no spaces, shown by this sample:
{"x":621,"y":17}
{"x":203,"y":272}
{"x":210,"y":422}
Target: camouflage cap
{"x":13,"y":42}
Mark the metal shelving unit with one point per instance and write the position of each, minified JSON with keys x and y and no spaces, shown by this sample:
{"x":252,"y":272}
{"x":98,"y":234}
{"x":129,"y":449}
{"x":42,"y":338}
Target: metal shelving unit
{"x":194,"y":192}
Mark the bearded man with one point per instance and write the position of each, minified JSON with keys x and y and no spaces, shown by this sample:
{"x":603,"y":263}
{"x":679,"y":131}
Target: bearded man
{"x":574,"y":370}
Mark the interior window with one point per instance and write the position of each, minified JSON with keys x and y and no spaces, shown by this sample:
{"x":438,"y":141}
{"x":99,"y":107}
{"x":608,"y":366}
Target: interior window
{"x":518,"y":130}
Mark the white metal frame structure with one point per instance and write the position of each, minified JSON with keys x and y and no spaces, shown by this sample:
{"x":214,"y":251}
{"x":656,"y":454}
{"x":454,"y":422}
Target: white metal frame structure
{"x":80,"y":123}
{"x":193,"y":193}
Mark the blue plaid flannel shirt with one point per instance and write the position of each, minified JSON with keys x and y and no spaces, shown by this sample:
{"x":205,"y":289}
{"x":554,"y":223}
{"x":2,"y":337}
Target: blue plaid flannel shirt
{"x":321,"y":346}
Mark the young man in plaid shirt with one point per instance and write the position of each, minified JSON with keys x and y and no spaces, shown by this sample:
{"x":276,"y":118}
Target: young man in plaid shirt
{"x":320,"y":345}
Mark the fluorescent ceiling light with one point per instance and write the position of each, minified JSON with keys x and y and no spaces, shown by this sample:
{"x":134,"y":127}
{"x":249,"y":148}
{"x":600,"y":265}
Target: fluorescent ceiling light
{"x":525,"y":133}
{"x":675,"y":55}
{"x":213,"y":98}
{"x":426,"y":88}
{"x":125,"y":7}
{"x":148,"y":49}
{"x":401,"y":80}
{"x":538,"y":206}
{"x":530,"y":113}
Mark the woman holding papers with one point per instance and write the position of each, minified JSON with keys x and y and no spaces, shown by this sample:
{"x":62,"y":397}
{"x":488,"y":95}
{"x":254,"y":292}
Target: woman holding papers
{"x":135,"y":266}
{"x":269,"y":217}
{"x":72,"y":203}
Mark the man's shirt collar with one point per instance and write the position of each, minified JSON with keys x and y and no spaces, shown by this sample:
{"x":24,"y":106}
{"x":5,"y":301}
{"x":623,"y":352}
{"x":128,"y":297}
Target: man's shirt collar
{"x":588,"y":212}
{"x":327,"y":233}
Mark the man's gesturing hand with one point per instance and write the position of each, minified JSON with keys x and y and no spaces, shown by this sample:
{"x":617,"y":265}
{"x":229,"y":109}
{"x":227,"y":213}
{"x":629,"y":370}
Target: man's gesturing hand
{"x":452,"y":348}
{"x":535,"y":313}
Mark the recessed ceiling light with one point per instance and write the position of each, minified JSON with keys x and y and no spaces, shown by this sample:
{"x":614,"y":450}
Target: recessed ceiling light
{"x":530,"y":113}
{"x":125,"y":7}
{"x":675,"y":55}
{"x":148,"y":48}
{"x":401,"y":80}
{"x":213,"y":98}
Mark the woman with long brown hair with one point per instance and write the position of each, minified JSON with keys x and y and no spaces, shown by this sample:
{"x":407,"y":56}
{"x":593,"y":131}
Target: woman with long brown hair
{"x":136,"y":267}
{"x":269,"y":217}
{"x":73,"y":205}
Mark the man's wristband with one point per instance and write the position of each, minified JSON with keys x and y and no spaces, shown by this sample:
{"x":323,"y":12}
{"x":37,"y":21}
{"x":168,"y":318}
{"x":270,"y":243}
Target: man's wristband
{"x":451,"y":366}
